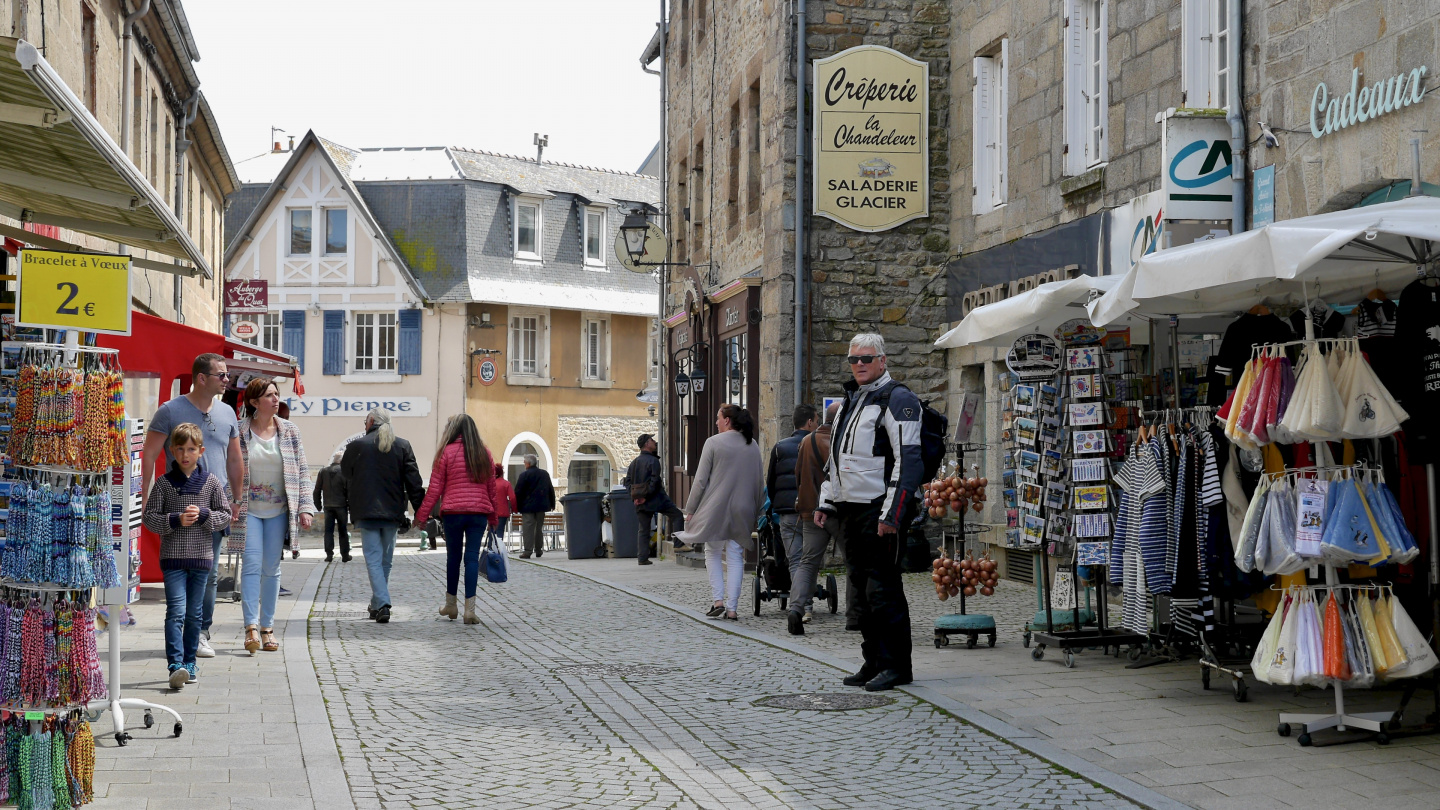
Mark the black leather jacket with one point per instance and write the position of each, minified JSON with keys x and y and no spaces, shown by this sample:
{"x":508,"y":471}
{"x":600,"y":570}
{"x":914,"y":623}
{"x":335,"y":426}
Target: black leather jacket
{"x":379,"y":484}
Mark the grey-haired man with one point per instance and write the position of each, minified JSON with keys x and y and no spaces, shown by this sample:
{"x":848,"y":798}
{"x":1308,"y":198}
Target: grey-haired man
{"x":535,"y":495}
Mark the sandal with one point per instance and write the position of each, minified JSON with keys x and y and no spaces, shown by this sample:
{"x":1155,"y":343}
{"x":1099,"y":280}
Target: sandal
{"x":252,"y":639}
{"x":270,"y":645}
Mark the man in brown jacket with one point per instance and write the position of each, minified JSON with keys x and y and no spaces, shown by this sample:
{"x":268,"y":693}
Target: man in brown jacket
{"x":809,"y":474}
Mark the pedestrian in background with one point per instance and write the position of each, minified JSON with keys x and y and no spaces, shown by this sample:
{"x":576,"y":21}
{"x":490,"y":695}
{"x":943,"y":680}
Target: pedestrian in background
{"x":209,"y":378}
{"x":462,"y":487}
{"x":535,"y":495}
{"x":277,"y":499}
{"x":782,"y":487}
{"x":186,"y":505}
{"x":381,"y":477}
{"x":505,"y":506}
{"x":725,"y":500}
{"x":329,"y":496}
{"x":810,"y":463}
{"x":646,"y":482}
{"x":875,"y":469}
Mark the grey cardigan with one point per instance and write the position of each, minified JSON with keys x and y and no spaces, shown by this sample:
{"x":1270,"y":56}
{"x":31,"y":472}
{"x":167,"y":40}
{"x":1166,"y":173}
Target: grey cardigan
{"x":727,"y":493}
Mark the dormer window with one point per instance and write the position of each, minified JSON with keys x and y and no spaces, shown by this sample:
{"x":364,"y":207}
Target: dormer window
{"x":527,"y":229}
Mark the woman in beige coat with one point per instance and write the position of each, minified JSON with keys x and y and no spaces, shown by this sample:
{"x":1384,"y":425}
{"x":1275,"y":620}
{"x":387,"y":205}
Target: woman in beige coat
{"x":725,"y":501}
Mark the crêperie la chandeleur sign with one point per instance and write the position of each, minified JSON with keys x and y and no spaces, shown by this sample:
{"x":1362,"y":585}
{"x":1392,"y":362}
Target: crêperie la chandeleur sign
{"x":872,"y":155}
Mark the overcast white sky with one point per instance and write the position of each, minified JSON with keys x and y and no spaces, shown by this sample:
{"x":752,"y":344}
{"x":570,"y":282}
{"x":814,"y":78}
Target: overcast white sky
{"x":485,"y":74}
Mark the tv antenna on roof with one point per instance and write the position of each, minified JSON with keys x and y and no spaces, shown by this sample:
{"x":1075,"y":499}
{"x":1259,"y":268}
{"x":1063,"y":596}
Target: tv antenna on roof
{"x":541,"y":141}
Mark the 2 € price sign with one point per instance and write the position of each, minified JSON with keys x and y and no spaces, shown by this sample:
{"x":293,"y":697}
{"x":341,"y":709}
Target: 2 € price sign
{"x":86,"y":291}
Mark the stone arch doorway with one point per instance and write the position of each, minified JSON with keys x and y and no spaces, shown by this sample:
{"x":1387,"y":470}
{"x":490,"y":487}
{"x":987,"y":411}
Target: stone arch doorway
{"x":590,"y":469}
{"x":514,"y":456}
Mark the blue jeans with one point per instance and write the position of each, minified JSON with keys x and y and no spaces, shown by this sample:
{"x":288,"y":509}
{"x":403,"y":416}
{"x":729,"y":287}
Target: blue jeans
{"x":377,"y":540}
{"x":184,"y":598}
{"x":207,"y":615}
{"x":260,"y":573}
{"x":469,"y":532}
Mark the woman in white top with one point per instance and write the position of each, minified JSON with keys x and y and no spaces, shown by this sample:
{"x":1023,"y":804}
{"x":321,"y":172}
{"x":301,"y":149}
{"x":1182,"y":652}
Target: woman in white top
{"x":277,"y":496}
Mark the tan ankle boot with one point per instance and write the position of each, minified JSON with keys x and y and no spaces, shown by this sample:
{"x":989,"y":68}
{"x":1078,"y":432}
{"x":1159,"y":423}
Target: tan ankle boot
{"x":450,"y":611}
{"x":470,"y":617}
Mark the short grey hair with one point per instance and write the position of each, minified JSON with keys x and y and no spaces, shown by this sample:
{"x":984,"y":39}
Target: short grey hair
{"x":532,"y":460}
{"x":869,"y":340}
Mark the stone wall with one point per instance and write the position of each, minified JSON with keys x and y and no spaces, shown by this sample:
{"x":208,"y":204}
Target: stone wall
{"x":616,"y":434}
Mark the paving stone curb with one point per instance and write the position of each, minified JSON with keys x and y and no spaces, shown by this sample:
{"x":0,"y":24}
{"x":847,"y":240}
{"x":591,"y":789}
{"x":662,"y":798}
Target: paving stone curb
{"x":329,"y":789}
{"x":1024,"y":740}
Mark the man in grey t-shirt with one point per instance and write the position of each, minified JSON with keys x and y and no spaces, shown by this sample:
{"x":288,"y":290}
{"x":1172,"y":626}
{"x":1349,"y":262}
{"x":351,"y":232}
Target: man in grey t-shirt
{"x":216,"y":420}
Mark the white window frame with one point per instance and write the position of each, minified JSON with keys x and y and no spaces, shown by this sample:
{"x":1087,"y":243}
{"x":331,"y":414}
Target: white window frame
{"x":595,"y":370}
{"x":539,"y":205}
{"x":597,"y":261}
{"x":652,"y":354}
{"x":349,"y":230}
{"x":271,"y":325}
{"x":1203,"y":34}
{"x":541,"y":374}
{"x":290,"y":230}
{"x":990,"y":138}
{"x":1087,"y":85}
{"x":376,"y":319}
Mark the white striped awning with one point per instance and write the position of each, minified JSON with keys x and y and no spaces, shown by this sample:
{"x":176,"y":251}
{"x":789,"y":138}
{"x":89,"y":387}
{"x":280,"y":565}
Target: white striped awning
{"x":59,"y":167}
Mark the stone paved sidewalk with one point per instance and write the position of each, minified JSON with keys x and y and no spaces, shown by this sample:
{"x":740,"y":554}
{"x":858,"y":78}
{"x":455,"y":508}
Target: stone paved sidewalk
{"x":573,"y":694}
{"x":1156,"y":726}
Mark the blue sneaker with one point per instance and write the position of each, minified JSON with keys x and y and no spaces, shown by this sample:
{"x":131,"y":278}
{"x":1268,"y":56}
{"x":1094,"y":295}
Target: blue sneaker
{"x":194,"y":672}
{"x":179,"y":676}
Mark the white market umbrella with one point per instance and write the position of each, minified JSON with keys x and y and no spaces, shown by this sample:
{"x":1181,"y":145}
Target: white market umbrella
{"x":1041,"y":309}
{"x":1339,"y":256}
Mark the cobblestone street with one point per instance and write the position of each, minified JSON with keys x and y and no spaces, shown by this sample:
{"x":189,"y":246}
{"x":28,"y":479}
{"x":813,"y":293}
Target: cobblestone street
{"x":573,"y":694}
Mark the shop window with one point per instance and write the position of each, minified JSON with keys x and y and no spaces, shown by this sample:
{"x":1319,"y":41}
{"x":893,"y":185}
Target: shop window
{"x":337,"y":231}
{"x":374,"y":341}
{"x":269,"y":335}
{"x":528,"y":347}
{"x":594,"y":237}
{"x":989,"y":133}
{"x":1086,"y":85}
{"x":527,"y":230}
{"x":300,"y":231}
{"x":737,"y":371}
{"x":589,"y":470}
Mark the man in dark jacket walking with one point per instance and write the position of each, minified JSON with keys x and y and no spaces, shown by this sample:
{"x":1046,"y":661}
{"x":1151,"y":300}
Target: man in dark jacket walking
{"x":380,"y":477}
{"x":535,"y":495}
{"x":646,"y":480}
{"x":802,"y":552}
{"x":329,"y":497}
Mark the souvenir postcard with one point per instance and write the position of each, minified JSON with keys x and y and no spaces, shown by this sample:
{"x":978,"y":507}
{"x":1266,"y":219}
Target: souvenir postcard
{"x":1011,"y":496}
{"x":1007,"y":435}
{"x":1084,"y":358}
{"x":1026,"y":430}
{"x":1055,"y":495}
{"x":1012,"y":538}
{"x":1030,"y":496}
{"x":1086,"y":413}
{"x":1087,"y":469}
{"x":1025,"y":398}
{"x":1034,"y":528}
{"x":1089,"y":441}
{"x":1012,"y":518}
{"x":1007,"y":478}
{"x":1049,"y":435}
{"x":1092,"y":497}
{"x":1049,"y":395}
{"x":1052,"y":463}
{"x":1051,"y":420}
{"x":1029,"y":463}
{"x":1058,"y":525}
{"x":1092,"y":553}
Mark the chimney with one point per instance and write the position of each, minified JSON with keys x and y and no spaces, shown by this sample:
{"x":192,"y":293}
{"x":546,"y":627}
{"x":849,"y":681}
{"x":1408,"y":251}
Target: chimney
{"x":292,"y":144}
{"x":277,"y":146}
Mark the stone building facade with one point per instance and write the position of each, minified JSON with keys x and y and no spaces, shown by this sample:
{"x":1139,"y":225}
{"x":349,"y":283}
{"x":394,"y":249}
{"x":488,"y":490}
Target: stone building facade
{"x":615,"y":435}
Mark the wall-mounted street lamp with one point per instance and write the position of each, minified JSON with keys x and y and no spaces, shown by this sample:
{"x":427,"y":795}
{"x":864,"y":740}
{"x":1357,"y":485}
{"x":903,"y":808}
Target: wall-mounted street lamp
{"x":695,"y":380}
{"x":635,"y":231}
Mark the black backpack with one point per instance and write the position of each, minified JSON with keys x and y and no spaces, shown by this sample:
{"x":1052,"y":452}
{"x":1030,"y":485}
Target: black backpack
{"x":934,"y":428}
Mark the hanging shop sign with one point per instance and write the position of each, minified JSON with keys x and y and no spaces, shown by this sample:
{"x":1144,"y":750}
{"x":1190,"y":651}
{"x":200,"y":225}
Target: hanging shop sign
{"x":244,"y":330}
{"x":872,"y":156}
{"x":1262,"y":212}
{"x":1197,"y":159}
{"x":1034,"y":356}
{"x":357,"y":406}
{"x":1137,"y":229}
{"x":488,"y":372}
{"x":247,"y":295}
{"x":652,"y":257}
{"x":86,"y":291}
{"x":1331,"y":112}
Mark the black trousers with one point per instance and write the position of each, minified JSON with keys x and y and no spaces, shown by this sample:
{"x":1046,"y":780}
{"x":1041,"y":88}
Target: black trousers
{"x":876,"y":588}
{"x":335,"y":522}
{"x":642,"y":530}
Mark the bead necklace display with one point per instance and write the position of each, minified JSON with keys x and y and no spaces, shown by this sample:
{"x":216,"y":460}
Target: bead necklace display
{"x":69,"y":417}
{"x":58,"y":535}
{"x":49,"y":763}
{"x":48,"y":655}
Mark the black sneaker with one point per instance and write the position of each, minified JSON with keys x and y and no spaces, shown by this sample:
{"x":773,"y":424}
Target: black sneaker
{"x":344,"y":558}
{"x":864,"y":676}
{"x":889,"y":679}
{"x":382,"y":616}
{"x":797,"y":623}
{"x":329,"y":558}
{"x":373,"y":613}
{"x":646,"y":561}
{"x":539,"y":554}
{"x":853,"y":625}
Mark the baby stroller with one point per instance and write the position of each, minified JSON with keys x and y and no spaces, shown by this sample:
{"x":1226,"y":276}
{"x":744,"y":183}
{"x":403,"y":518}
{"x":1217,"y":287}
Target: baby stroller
{"x":772,"y":569}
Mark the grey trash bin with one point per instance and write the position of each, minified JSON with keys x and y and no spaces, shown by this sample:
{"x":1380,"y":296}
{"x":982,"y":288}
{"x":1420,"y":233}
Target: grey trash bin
{"x":623,"y":522}
{"x":582,"y":524}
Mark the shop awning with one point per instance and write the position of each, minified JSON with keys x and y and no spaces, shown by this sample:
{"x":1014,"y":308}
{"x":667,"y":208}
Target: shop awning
{"x":1042,"y":309}
{"x":1338,"y":256}
{"x":59,"y":167}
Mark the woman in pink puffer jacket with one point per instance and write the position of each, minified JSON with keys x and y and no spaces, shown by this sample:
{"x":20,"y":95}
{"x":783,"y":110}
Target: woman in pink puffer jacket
{"x":462,"y":483}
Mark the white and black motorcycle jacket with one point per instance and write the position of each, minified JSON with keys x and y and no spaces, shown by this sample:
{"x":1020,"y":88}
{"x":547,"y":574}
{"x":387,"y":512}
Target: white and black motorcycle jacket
{"x":875,"y":450}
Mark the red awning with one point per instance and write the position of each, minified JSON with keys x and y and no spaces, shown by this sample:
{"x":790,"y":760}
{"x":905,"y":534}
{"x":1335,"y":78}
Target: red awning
{"x":167,"y":350}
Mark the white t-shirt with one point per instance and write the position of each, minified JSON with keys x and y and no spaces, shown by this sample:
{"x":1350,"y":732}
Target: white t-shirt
{"x":267,"y":477}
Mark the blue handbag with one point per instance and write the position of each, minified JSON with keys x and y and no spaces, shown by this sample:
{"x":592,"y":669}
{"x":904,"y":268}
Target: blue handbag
{"x":492,"y":562}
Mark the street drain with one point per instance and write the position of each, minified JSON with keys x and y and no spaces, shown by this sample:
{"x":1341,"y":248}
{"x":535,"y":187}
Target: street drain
{"x":339,"y":614}
{"x":824,"y":702}
{"x":611,"y":670}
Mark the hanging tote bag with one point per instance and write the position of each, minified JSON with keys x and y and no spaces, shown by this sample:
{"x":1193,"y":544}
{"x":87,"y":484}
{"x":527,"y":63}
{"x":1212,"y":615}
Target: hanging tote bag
{"x":1264,"y":657}
{"x":1334,"y":664}
{"x":1370,"y":411}
{"x":1362,"y":671}
{"x":1282,"y":663}
{"x":1250,"y":528}
{"x":1309,"y":656}
{"x":1242,"y":392}
{"x":1253,"y":411}
{"x":1276,"y":410}
{"x":1279,"y":540}
{"x":1316,"y":412}
{"x":1420,"y":658}
{"x":1403,"y":544}
{"x":1349,"y":532}
{"x":492,"y":562}
{"x":1363,"y":607}
{"x":1385,"y":625}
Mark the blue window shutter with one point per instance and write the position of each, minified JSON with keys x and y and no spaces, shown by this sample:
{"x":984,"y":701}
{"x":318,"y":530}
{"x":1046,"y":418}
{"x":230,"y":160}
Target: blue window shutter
{"x":292,"y":334}
{"x":334,"y":341}
{"x":408,"y":361}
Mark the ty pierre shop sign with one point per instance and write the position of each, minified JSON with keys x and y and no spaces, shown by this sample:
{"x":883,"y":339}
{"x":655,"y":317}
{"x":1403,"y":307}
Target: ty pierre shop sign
{"x":872,"y":150}
{"x":357,"y":406}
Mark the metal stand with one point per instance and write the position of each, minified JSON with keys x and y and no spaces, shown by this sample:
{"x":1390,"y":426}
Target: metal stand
{"x":116,"y":704}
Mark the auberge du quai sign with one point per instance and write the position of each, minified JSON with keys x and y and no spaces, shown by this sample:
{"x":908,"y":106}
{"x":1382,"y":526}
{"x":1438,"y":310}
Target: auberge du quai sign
{"x":872,"y":157}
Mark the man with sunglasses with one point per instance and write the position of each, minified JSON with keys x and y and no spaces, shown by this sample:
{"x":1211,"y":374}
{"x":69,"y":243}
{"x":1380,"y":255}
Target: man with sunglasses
{"x":217,"y":422}
{"x":873,"y":473}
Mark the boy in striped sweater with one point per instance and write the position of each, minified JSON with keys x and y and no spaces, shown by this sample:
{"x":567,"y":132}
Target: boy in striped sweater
{"x":185,"y":506}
